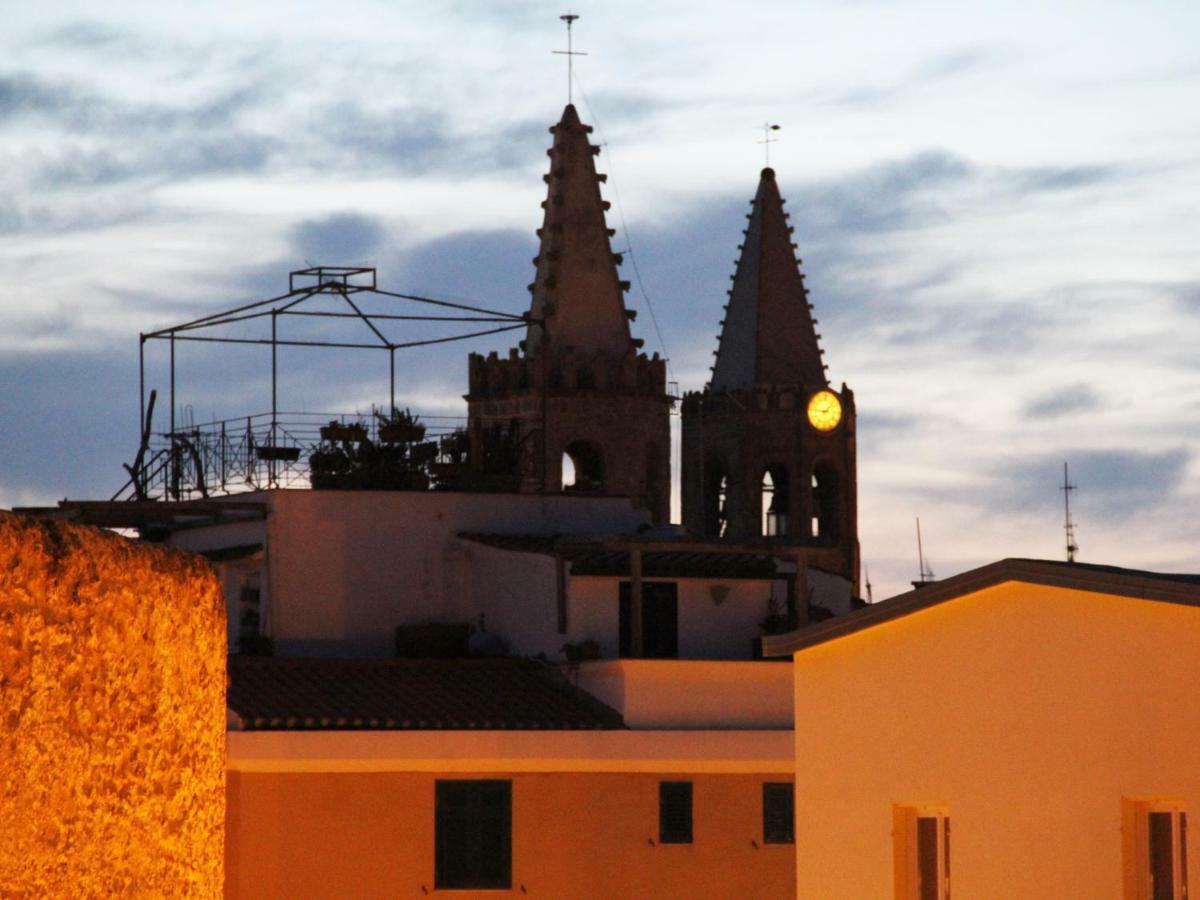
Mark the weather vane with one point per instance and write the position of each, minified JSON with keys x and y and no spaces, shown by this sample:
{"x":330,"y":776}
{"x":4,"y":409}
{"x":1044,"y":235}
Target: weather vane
{"x":569,"y":18}
{"x":767,"y":141}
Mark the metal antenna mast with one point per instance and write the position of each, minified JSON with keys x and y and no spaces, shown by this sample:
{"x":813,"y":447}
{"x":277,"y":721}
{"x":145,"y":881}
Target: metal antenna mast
{"x":1068,"y":525}
{"x":767,"y":141}
{"x":926,"y":573}
{"x":569,"y":53}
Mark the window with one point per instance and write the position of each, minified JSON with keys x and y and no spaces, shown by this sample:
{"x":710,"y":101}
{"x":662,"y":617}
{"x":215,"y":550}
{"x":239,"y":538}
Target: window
{"x":775,"y":501}
{"x":660,"y":620}
{"x":921,"y":835}
{"x":674,"y":812}
{"x":583,"y":468}
{"x":1155,"y":835}
{"x":473,"y":834}
{"x":778,"y":813}
{"x":716,"y":492}
{"x":825,"y":509}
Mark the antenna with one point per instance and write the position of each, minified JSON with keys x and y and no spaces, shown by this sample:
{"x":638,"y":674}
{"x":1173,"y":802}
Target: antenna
{"x":867,"y":574}
{"x":926,"y":573}
{"x":767,"y":141}
{"x":569,"y":53}
{"x":1068,"y":526}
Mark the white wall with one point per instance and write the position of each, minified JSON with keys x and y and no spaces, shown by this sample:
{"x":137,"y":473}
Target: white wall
{"x":701,"y":694}
{"x":707,"y":630}
{"x":344,"y":568}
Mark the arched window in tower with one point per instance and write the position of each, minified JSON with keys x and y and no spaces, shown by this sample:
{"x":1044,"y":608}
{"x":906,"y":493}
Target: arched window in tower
{"x":650,"y":487}
{"x":583,"y":468}
{"x":824,"y":502}
{"x":716,"y":494}
{"x":775,"y":501}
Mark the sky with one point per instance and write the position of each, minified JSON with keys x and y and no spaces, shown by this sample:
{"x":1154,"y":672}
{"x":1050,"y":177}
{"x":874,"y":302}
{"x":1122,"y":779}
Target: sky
{"x":997,"y":206}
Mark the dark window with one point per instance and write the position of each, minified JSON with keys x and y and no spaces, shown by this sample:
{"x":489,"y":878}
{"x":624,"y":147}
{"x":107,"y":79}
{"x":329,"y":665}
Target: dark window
{"x":927,"y":858}
{"x":674,"y":812}
{"x":660,"y":620}
{"x":1162,"y":856}
{"x":473,"y":834}
{"x":778,"y":811}
{"x":1183,"y":876}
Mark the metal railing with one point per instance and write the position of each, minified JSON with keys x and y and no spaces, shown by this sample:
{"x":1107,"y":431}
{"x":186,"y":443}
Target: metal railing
{"x":259,"y":451}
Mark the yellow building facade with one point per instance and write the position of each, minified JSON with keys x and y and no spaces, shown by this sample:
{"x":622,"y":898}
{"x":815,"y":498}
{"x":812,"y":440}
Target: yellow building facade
{"x":325,"y":814}
{"x":1023,"y":730}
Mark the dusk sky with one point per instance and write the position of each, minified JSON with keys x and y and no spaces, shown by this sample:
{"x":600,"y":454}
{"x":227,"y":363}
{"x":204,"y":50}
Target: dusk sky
{"x":998,"y":211}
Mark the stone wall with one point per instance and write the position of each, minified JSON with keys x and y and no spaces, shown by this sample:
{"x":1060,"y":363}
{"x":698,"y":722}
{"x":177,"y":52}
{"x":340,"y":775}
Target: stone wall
{"x":112,"y":701}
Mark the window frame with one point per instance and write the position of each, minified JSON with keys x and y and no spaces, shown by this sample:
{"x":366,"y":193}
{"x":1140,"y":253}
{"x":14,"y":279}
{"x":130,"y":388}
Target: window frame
{"x":1138,"y":840}
{"x":470,"y":808}
{"x":906,"y":837}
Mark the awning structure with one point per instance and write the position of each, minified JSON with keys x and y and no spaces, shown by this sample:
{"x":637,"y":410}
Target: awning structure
{"x":659,"y":558}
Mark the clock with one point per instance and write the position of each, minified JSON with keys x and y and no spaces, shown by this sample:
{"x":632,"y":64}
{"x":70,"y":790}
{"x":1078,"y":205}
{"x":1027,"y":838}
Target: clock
{"x":824,"y":410}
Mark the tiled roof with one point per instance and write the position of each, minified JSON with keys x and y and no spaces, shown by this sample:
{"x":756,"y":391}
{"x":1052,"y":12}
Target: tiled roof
{"x":409,"y":694}
{"x":597,"y":558}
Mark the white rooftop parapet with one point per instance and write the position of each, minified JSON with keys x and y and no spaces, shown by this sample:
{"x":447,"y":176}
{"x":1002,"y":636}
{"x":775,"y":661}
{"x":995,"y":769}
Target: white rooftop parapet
{"x":668,"y":694}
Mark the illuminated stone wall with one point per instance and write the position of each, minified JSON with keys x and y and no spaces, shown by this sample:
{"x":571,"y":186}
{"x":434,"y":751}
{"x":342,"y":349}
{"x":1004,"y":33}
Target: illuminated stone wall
{"x":112,"y":706}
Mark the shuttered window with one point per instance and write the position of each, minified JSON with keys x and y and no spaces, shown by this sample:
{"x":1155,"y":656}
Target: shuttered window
{"x":675,"y":812}
{"x":1155,"y":834}
{"x":473,"y":834}
{"x":778,"y":813}
{"x":922,"y":846}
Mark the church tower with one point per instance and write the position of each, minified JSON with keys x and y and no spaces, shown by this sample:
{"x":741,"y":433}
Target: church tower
{"x":768,"y":445}
{"x":576,"y":399}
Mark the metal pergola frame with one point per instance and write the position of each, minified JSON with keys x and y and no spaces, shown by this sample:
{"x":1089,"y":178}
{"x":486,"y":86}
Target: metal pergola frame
{"x":303,"y":285}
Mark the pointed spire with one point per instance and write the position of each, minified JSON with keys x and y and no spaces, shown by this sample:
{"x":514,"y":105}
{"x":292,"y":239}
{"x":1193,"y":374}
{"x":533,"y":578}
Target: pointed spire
{"x":577,"y":290}
{"x":768,"y":335}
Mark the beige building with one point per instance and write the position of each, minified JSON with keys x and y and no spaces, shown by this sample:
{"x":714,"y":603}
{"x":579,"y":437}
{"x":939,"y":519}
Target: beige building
{"x":1047,"y":710}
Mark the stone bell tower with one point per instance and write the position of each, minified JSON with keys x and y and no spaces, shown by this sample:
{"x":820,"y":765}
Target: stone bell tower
{"x":577,"y":398}
{"x":768,"y":445}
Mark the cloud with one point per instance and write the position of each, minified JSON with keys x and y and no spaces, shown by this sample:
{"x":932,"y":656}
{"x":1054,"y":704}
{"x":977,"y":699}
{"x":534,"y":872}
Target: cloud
{"x":1041,"y":179}
{"x":1114,"y":484}
{"x":64,"y":437}
{"x":487,"y":267}
{"x":345,"y":238}
{"x":932,"y":72}
{"x":1064,"y":401}
{"x":884,"y":197}
{"x":1187,"y":296}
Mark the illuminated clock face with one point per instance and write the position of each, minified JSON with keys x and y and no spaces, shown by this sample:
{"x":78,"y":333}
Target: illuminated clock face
{"x":824,"y":410}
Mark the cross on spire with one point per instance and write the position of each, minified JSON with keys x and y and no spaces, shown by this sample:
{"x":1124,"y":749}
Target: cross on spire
{"x":767,"y":141}
{"x":569,"y":53}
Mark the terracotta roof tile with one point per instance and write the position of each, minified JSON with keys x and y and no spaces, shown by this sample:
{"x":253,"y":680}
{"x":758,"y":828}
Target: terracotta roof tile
{"x":409,"y":694}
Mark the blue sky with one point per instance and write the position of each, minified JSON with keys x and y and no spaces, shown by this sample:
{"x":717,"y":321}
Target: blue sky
{"x":997,"y":209}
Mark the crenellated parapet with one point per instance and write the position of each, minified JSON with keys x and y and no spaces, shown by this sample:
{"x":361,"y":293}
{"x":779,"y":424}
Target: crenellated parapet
{"x":762,"y":397}
{"x":565,"y":372}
